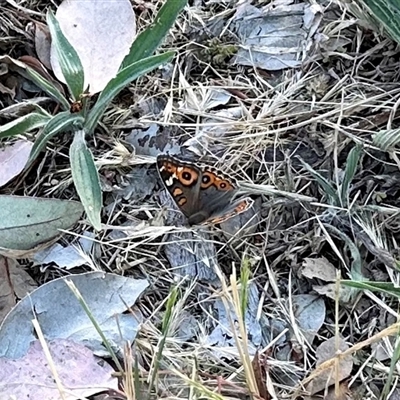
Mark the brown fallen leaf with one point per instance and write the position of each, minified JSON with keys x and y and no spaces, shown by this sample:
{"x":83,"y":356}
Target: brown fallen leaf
{"x":259,"y":374}
{"x":324,"y":352}
{"x":344,"y":393}
{"x":15,"y":283}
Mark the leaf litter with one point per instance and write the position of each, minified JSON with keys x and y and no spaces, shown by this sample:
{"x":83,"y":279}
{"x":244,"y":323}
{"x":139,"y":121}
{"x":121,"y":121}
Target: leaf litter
{"x":342,"y":89}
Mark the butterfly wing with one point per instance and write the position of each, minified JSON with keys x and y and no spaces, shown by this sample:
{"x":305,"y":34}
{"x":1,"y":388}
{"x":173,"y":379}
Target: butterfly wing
{"x":182,"y":181}
{"x":203,"y":195}
{"x":217,"y":192}
{"x":235,"y":208}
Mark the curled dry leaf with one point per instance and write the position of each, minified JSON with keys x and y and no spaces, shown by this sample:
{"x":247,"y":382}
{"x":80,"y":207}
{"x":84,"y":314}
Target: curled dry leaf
{"x":43,"y":43}
{"x":318,"y":268}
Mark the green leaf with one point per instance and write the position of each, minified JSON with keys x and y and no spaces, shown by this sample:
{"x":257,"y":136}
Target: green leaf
{"x":59,"y":123}
{"x":24,"y":124}
{"x":351,"y":167}
{"x":68,"y":58}
{"x":356,"y":264}
{"x":330,"y":192}
{"x":42,"y":82}
{"x":48,"y":87}
{"x":26,"y":222}
{"x":388,"y":13}
{"x":148,"y":41}
{"x":123,"y":78}
{"x":86,"y":178}
{"x":387,"y":139}
{"x":383,"y":287}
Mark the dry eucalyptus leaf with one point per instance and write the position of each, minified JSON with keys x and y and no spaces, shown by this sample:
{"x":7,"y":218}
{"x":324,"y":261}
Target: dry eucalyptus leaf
{"x":324,"y":352}
{"x":61,"y":316}
{"x":309,"y":311}
{"x":81,"y":373}
{"x":277,"y":36}
{"x":153,"y":140}
{"x":28,"y":222}
{"x":101,"y":32}
{"x":318,"y":268}
{"x":67,"y":257}
{"x":43,"y":44}
{"x":7,"y":295}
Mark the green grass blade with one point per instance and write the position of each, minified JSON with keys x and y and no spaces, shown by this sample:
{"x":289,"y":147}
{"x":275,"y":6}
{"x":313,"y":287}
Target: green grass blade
{"x":60,"y":123}
{"x":356,"y":264}
{"x":136,"y":373}
{"x":351,"y":167}
{"x":172,"y":299}
{"x":96,"y":325}
{"x":86,"y":178}
{"x":244,"y":283}
{"x":329,"y":190}
{"x":382,"y":287}
{"x":123,"y":78}
{"x":70,"y":62}
{"x":393,"y":361}
{"x":147,"y":42}
{"x":24,"y":124}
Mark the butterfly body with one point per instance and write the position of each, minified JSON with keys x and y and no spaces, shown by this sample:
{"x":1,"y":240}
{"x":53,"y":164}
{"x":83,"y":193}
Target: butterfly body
{"x":202,"y":194}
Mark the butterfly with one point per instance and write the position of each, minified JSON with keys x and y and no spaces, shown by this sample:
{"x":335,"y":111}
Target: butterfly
{"x":203,"y":195}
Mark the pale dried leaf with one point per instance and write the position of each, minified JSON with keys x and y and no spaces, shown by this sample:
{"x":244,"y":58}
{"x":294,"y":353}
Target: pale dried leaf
{"x":309,"y":311}
{"x":319,"y":268}
{"x":43,"y":44}
{"x":80,"y":372}
{"x":13,"y":159}
{"x":329,"y":290}
{"x":60,"y":315}
{"x":101,"y":32}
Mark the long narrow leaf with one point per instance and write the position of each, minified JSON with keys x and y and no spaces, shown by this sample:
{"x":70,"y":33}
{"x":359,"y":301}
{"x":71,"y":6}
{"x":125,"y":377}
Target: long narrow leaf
{"x":351,"y":167}
{"x":123,"y":78}
{"x":48,"y":87}
{"x":166,"y":324}
{"x":356,"y":264}
{"x":68,"y":58}
{"x":324,"y":183}
{"x":86,"y":178}
{"x":24,"y":124}
{"x":147,"y":42}
{"x":387,"y":139}
{"x":382,"y":287}
{"x":60,"y":123}
{"x":388,"y":13}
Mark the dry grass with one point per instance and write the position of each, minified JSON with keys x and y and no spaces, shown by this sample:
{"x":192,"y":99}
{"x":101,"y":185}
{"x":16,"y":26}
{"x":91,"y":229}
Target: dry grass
{"x":316,"y":113}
